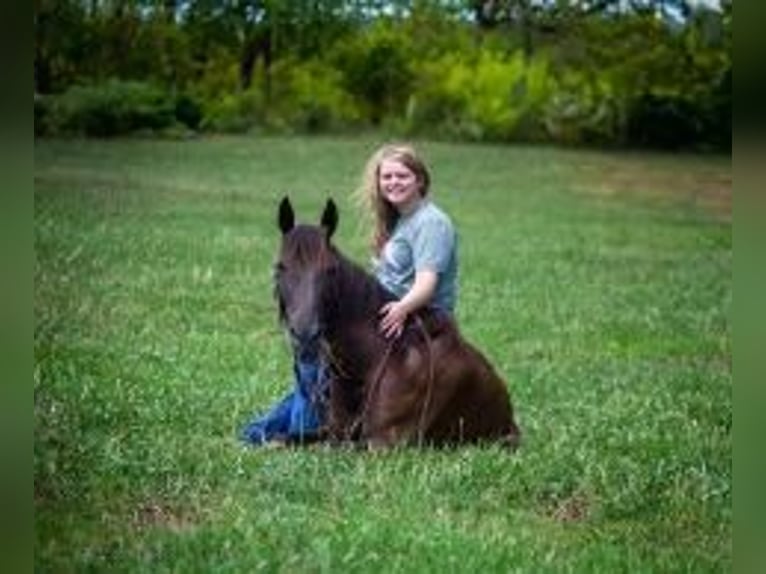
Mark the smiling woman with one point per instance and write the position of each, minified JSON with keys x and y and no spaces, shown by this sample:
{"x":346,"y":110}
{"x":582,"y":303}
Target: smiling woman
{"x":414,"y":241}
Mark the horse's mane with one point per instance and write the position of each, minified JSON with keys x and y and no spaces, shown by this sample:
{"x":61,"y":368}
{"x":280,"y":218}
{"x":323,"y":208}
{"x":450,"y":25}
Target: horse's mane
{"x":352,"y":291}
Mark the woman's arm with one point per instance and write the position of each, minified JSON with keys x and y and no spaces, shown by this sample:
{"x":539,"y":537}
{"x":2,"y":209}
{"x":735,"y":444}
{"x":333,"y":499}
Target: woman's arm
{"x":421,"y":293}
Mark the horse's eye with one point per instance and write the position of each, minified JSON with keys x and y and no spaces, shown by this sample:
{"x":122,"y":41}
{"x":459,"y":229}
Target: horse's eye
{"x":279,"y":267}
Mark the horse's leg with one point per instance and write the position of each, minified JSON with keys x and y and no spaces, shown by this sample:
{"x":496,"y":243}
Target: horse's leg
{"x":412,"y":394}
{"x":497,"y":421}
{"x":480,"y":408}
{"x":392,"y":413}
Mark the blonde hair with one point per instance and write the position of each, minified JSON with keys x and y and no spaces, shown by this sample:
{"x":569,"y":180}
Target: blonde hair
{"x":368,"y":195}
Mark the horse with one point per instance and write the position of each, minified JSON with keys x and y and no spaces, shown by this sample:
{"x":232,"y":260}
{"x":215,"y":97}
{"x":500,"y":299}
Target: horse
{"x":426,"y":386}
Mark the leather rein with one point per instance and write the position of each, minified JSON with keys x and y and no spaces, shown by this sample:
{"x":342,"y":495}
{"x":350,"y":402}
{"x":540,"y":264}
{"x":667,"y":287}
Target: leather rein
{"x":372,"y":388}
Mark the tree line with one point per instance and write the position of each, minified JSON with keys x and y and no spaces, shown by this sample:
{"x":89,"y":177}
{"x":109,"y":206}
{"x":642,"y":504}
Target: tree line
{"x":654,"y":73}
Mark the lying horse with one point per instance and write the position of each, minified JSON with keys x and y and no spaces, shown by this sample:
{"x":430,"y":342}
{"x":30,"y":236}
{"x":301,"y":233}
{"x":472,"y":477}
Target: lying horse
{"x":426,"y":386}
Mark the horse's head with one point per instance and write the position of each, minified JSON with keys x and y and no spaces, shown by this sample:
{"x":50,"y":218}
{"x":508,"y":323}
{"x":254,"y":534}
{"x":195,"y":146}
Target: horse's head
{"x":305,"y":257}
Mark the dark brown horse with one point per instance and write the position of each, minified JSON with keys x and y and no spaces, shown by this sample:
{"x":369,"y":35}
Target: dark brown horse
{"x":428,"y":385}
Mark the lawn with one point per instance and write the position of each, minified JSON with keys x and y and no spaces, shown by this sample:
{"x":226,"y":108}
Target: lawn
{"x":600,"y":286}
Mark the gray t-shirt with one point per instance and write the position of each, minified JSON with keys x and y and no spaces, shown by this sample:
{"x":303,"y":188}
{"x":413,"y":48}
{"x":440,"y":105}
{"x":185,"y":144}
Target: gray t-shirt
{"x":424,"y":239}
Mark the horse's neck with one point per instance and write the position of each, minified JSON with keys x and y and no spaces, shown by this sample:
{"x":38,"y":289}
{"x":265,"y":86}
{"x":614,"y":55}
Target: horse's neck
{"x":355,"y":351}
{"x":360,"y":292}
{"x":354,"y":335}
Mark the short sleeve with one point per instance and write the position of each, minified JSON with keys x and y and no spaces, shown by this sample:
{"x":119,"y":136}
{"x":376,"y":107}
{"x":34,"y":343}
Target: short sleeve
{"x":433,"y":245}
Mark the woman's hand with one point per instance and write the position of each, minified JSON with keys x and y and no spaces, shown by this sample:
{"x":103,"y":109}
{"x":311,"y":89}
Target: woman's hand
{"x":393,"y":316}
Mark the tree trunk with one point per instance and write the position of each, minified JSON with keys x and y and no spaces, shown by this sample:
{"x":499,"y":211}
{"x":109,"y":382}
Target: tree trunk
{"x":247,"y":65}
{"x":258,"y":45}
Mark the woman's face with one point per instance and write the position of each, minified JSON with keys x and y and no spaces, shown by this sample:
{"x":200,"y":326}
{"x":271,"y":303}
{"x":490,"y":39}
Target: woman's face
{"x":398,"y":185}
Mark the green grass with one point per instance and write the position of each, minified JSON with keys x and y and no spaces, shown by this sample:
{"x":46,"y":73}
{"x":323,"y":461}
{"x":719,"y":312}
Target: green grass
{"x":598,"y":284}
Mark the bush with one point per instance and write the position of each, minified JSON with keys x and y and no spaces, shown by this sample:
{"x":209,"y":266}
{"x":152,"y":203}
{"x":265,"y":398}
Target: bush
{"x":188,"y":111}
{"x":495,"y":97}
{"x":668,"y":121}
{"x":304,"y":97}
{"x":582,"y":109}
{"x":113,"y":108}
{"x":310,"y":97}
{"x":234,"y":113}
{"x":377,"y":69}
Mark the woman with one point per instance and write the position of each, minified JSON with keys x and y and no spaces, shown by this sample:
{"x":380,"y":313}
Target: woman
{"x":415,"y":257}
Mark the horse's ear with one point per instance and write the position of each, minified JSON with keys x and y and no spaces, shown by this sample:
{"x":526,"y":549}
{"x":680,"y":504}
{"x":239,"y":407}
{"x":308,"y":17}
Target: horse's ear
{"x":330,"y":218}
{"x":286,"y":218}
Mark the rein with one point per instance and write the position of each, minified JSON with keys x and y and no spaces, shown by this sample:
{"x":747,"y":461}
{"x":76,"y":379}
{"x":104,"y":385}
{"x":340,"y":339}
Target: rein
{"x":429,"y":383}
{"x":380,"y":369}
{"x":373,"y":387}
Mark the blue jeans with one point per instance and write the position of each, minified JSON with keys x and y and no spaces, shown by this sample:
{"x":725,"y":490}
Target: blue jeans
{"x":299,"y":415}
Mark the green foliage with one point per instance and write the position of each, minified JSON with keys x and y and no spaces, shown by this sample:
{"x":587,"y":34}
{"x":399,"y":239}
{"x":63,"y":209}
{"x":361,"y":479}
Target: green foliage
{"x":377,"y":69}
{"x":62,"y":39}
{"x":310,"y":96}
{"x":188,"y":111}
{"x":113,"y":108}
{"x":234,"y":113}
{"x":219,"y":76}
{"x":583,"y":109}
{"x":670,"y":85}
{"x":492,"y":93}
{"x":493,"y":97}
{"x":517,"y":72}
{"x":667,"y":120}
{"x":303,"y":97}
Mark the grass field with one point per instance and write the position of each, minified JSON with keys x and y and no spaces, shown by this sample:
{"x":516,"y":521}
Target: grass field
{"x":600,"y":285}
